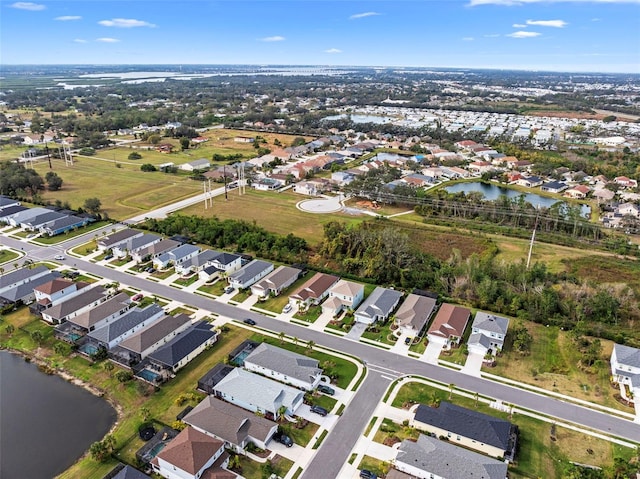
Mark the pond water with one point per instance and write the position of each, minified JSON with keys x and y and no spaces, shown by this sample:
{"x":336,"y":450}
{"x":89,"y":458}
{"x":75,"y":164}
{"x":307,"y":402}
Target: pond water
{"x":46,"y":423}
{"x":379,"y":120}
{"x":492,"y":192}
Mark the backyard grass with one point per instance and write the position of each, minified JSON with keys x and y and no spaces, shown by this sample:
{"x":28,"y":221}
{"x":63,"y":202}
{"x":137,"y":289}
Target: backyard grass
{"x":119,"y":189}
{"x":86,"y":249}
{"x":539,"y":455}
{"x":344,"y":369}
{"x":554,"y":364}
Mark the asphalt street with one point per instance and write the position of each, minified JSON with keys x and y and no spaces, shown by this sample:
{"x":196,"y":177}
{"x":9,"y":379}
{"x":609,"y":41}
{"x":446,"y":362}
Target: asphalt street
{"x":337,"y":445}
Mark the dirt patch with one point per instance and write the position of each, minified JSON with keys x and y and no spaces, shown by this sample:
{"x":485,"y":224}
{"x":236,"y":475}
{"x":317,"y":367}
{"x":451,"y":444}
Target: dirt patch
{"x":567,"y":114}
{"x":372,"y":205}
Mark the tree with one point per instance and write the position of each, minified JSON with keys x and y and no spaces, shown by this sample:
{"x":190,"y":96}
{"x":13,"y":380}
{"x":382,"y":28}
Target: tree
{"x":145,"y":413}
{"x":54,"y":182}
{"x":59,"y":348}
{"x":92,"y":205}
{"x":298,"y":141}
{"x":37,"y":336}
{"x":154,"y":139}
{"x":281,"y":336}
{"x":10,"y":328}
{"x":108,"y":366}
{"x":124,"y":376}
{"x":134,"y":155}
{"x":148,"y":167}
{"x":310,"y":345}
{"x":98,"y":451}
{"x":184,"y":143}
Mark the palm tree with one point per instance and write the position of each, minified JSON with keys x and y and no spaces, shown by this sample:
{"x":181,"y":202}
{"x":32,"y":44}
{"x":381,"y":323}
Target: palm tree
{"x":108,"y":366}
{"x":281,"y":336}
{"x":451,"y":388}
{"x":475,"y":397}
{"x":310,"y":345}
{"x":145,"y":413}
{"x":10,"y":329}
{"x":295,"y":341}
{"x":110,"y":442}
{"x":37,"y":336}
{"x":59,"y":348}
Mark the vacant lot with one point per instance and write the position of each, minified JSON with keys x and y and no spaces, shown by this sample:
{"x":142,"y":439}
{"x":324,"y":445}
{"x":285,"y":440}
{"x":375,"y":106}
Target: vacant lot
{"x":123,"y":191}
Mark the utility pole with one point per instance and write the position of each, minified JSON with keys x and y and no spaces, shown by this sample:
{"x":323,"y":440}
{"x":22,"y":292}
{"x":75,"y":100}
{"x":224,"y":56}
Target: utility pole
{"x":533,"y":237}
{"x":224,"y":177}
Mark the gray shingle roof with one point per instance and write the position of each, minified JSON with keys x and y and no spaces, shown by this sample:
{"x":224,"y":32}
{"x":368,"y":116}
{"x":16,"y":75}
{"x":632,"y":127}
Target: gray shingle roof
{"x":415,"y":311}
{"x":491,"y":323}
{"x":466,"y":422}
{"x":97,"y":314}
{"x":128,"y":472}
{"x":286,"y":362}
{"x":184,"y":344}
{"x":448,"y":461}
{"x":281,"y":276}
{"x":19,"y":292}
{"x":627,"y":356}
{"x":250,"y":270}
{"x":201,"y":258}
{"x":125,"y":323}
{"x":21,"y":275}
{"x":118,"y":237}
{"x":150,"y":335}
{"x":79,"y":301}
{"x":379,"y":303}
{"x":228,"y":422}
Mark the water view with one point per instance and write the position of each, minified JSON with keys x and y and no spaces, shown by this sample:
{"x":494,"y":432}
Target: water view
{"x":46,"y":423}
{"x":492,"y":192}
{"x":378,"y":120}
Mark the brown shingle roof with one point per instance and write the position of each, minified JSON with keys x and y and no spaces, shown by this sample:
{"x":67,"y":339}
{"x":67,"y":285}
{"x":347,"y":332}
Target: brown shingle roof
{"x":53,"y":286}
{"x":315,"y":287}
{"x":190,"y":450}
{"x":450,"y":321}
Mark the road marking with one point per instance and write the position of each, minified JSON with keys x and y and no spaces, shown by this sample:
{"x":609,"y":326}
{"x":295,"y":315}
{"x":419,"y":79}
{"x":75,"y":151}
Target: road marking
{"x":377,"y":367}
{"x":387,"y":377}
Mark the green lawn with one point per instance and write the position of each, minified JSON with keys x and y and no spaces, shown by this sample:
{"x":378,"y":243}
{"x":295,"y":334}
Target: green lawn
{"x":391,"y":432}
{"x":539,"y":455}
{"x":216,"y":289}
{"x":310,"y":315}
{"x":381,"y":333}
{"x":188,"y":281}
{"x":300,"y":436}
{"x":6,"y":256}
{"x":276,"y":303}
{"x":254,"y":470}
{"x":380,"y":468}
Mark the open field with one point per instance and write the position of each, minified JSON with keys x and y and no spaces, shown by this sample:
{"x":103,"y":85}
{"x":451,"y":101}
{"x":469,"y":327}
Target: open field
{"x":554,"y":365}
{"x":123,"y":191}
{"x":539,"y":455}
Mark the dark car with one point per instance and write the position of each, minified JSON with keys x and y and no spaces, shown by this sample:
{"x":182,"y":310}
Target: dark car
{"x":284,"y":439}
{"x":408,"y":340}
{"x":366,"y":474}
{"x":109,"y":256}
{"x":249,"y":321}
{"x":326,"y":390}
{"x":319,"y":410}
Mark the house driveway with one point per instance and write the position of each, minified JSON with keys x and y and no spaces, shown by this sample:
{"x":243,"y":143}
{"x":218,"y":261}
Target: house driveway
{"x":322,"y":321}
{"x":356,"y":331}
{"x":327,"y":422}
{"x":473,"y":364}
{"x":432,"y":353}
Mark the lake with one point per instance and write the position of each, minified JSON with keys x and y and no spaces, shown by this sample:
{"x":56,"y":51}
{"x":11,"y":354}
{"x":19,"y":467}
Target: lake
{"x":46,"y":423}
{"x":379,"y":120}
{"x":492,"y":192}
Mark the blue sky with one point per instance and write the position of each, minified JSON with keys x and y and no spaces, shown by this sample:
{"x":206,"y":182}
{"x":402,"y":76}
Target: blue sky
{"x":557,"y":35}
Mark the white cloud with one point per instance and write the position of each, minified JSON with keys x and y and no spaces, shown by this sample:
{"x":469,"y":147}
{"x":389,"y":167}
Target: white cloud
{"x":275,"y":38}
{"x":333,"y":50}
{"x":519,"y":25}
{"x":107,"y":40}
{"x":468,"y":39}
{"x":68,"y":18}
{"x":125,"y":23}
{"x":521,"y":34}
{"x":473,"y":3}
{"x":548,"y":23}
{"x":363,"y":15}
{"x":80,"y":40}
{"x":34,"y":7}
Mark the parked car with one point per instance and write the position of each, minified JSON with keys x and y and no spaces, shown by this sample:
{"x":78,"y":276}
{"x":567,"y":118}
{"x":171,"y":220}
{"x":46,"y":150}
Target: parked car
{"x":108,"y":257}
{"x":287,"y":308}
{"x":284,"y":439}
{"x":366,"y":474}
{"x":137,"y":297}
{"x":326,"y":390}
{"x":319,"y":410}
{"x":408,"y":340}
{"x":229,"y":289}
{"x":32,"y":235}
{"x":151,"y":270}
{"x":250,"y":321}
{"x":59,"y":257}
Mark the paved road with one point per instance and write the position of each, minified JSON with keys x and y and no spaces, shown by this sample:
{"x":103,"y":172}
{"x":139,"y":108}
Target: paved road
{"x":338,"y":444}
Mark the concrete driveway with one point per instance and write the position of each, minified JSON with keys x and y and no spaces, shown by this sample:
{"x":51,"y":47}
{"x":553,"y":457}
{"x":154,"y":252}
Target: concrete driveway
{"x":473,"y":364}
{"x":432,"y":353}
{"x":356,"y":331}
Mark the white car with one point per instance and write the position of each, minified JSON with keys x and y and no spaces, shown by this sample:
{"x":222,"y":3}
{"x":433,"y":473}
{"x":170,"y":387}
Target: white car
{"x":287,"y":308}
{"x":59,"y":257}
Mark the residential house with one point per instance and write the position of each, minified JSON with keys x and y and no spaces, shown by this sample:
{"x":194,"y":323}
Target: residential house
{"x":139,"y":345}
{"x":176,"y":256}
{"x":342,"y":177}
{"x":578,"y":192}
{"x":52,"y":291}
{"x":529,"y":181}
{"x":454,"y":172}
{"x":223,"y":263}
{"x":285,"y":366}
{"x":134,"y":244}
{"x":184,"y":347}
{"x":66,"y":309}
{"x":6,"y":202}
{"x":21,"y":276}
{"x":603,"y":194}
{"x":267,"y":184}
{"x":94,"y":318}
{"x":6,"y":214}
{"x":553,"y":186}
{"x":628,"y":209}
{"x":625,"y":182}
{"x":34,"y":223}
{"x":250,"y":273}
{"x":343,"y":295}
{"x":196,"y":263}
{"x":154,"y":250}
{"x":378,"y":306}
{"x":430,"y":458}
{"x":468,"y":428}
{"x":258,"y":394}
{"x":418,"y":181}
{"x":480,"y":167}
{"x":27,"y":215}
{"x":235,"y":426}
{"x":449,"y":325}
{"x":313,"y":291}
{"x":625,"y":367}
{"x":199,"y":164}
{"x":118,"y":238}
{"x":309,"y":188}
{"x":112,"y":333}
{"x":487,"y":333}
{"x":276,"y":281}
{"x":21,"y":290}
{"x":122,"y":471}
{"x":189,"y":455}
{"x":64,"y":224}
{"x":414,"y":313}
